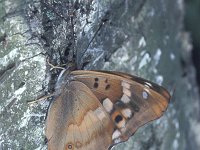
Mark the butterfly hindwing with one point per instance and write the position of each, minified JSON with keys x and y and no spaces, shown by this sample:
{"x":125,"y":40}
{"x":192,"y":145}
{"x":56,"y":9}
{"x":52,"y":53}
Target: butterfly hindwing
{"x":77,"y":120}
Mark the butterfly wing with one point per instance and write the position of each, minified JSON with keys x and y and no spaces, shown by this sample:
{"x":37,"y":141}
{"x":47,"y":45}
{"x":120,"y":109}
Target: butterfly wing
{"x":129,"y":100}
{"x":77,"y":120}
{"x":99,"y":109}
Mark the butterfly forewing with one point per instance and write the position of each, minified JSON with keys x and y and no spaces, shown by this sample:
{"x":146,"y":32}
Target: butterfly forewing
{"x":98,"y":109}
{"x":129,"y":100}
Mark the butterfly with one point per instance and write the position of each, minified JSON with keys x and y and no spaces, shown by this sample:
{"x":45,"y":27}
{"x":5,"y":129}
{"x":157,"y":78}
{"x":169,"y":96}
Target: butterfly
{"x":98,"y":109}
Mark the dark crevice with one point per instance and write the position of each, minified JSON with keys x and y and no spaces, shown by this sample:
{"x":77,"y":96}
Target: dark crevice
{"x":21,"y":85}
{"x":8,"y":107}
{"x":7,"y":69}
{"x":191,"y":21}
{"x":196,"y":61}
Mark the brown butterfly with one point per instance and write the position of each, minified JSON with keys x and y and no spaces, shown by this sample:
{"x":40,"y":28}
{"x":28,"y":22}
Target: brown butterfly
{"x":98,"y":109}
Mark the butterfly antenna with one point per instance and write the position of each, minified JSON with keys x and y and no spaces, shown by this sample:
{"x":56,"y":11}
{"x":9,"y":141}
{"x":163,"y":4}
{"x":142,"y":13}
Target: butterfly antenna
{"x":40,"y":53}
{"x":41,"y":98}
{"x":172,"y":92}
{"x":103,"y":21}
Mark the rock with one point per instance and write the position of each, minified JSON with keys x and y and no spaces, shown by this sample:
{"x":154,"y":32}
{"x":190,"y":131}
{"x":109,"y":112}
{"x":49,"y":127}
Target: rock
{"x":142,"y":38}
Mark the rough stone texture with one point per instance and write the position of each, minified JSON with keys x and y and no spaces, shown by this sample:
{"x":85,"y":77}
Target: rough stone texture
{"x":138,"y":37}
{"x":21,"y":79}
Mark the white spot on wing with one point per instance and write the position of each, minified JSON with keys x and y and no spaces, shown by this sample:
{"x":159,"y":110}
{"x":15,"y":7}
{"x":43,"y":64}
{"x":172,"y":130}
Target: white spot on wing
{"x":125,"y":99}
{"x":117,"y":140}
{"x":126,"y":113}
{"x":108,"y":105}
{"x":126,"y":85}
{"x":116,"y":134}
{"x":127,"y":92}
{"x":145,"y":95}
{"x":147,"y":84}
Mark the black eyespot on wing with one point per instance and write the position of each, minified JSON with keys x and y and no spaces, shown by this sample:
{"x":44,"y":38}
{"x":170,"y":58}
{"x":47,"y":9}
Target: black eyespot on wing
{"x":107,"y":87}
{"x":69,"y":146}
{"x":95,"y":85}
{"x":118,"y":118}
{"x":106,"y":81}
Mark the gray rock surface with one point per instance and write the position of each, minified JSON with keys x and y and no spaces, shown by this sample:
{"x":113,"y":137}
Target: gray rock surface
{"x":145,"y":38}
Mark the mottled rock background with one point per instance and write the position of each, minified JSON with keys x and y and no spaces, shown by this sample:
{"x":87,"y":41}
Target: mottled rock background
{"x":145,"y":38}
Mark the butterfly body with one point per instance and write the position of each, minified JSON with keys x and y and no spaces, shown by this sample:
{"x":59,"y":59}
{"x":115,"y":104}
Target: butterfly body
{"x":98,"y":109}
